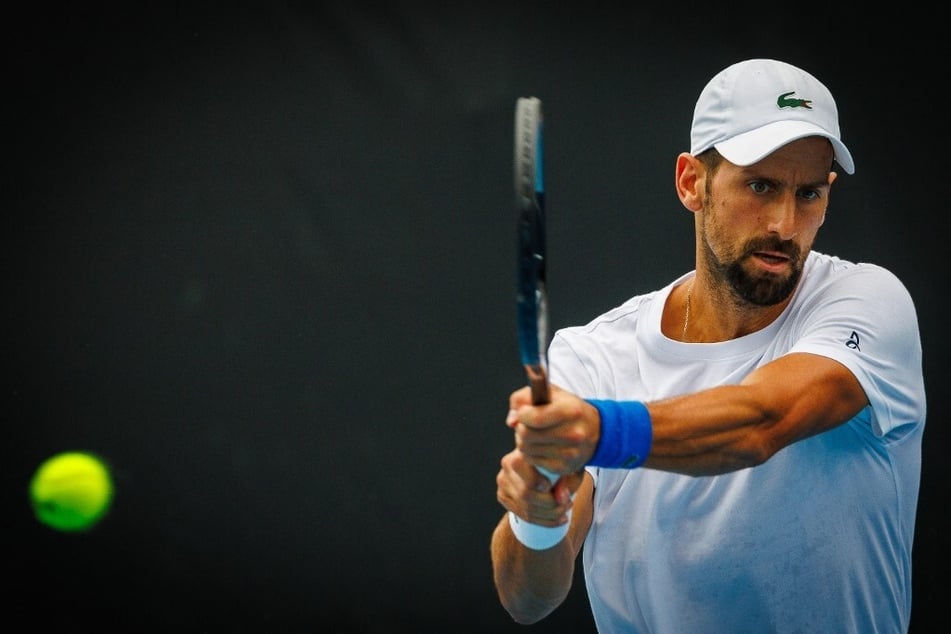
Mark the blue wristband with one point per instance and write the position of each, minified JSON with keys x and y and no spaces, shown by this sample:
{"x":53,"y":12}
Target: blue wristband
{"x":626,"y":434}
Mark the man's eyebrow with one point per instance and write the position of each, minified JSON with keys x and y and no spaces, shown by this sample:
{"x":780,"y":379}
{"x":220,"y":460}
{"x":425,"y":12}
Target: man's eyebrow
{"x":819,"y":184}
{"x":753,"y":174}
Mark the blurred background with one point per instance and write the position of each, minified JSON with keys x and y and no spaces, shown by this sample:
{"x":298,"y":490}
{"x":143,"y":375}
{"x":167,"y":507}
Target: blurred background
{"x":261,"y":259}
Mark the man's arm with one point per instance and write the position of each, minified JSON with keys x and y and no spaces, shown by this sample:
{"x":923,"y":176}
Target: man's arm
{"x":713,"y":431}
{"x":532,"y":583}
{"x":733,"y":427}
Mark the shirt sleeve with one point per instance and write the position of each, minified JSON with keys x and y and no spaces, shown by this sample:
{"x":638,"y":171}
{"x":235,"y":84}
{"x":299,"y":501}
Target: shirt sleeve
{"x":567,"y":369}
{"x":865,"y":319}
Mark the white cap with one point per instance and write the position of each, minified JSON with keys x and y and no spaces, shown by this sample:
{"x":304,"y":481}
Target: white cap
{"x":752,"y":108}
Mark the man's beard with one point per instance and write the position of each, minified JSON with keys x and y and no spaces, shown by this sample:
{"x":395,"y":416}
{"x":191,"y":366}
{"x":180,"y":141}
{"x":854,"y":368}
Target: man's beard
{"x":764,"y":289}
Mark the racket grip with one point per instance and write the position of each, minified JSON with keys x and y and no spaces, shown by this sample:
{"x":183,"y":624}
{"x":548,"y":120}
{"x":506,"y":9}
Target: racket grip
{"x":553,"y":477}
{"x":538,"y":381}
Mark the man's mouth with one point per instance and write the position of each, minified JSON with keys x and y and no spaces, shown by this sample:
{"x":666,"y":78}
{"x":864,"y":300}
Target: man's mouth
{"x":772,"y":260}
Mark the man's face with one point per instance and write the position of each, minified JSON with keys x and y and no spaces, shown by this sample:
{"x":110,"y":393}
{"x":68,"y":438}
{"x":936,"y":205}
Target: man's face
{"x":759,"y":222}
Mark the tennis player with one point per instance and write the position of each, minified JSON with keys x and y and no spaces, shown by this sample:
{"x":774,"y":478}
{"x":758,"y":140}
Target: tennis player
{"x":740,"y":449}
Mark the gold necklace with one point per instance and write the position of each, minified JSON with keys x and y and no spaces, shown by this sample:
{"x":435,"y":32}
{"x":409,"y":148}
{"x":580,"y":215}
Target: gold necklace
{"x":683,"y":335}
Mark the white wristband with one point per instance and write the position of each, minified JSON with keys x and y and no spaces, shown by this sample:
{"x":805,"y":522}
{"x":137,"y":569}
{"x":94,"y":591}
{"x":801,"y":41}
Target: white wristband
{"x":537,"y":537}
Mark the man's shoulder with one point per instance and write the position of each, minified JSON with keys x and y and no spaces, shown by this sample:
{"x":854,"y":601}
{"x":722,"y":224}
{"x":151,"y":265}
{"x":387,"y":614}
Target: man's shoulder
{"x":823,"y":266}
{"x":833,"y":278}
{"x":630,"y":310}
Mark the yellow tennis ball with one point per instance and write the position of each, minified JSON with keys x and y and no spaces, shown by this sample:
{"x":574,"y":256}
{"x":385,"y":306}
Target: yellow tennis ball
{"x":71,"y":491}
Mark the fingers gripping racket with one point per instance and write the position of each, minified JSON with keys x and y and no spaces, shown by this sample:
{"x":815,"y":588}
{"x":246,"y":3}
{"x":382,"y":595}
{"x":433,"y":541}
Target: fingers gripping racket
{"x":532,"y":294}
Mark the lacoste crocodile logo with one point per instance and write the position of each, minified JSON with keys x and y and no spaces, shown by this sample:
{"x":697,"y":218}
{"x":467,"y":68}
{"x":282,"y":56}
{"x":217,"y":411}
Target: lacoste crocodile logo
{"x":785,"y":101}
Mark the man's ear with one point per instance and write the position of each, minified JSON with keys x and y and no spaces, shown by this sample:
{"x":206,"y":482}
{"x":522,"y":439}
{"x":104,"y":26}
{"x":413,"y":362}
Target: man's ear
{"x":688,"y":181}
{"x":832,"y":177}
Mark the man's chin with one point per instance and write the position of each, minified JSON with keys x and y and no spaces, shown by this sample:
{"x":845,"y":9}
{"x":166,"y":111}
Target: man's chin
{"x":765,"y":288}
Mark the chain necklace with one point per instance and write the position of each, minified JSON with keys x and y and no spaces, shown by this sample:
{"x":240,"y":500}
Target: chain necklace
{"x":683,"y":335}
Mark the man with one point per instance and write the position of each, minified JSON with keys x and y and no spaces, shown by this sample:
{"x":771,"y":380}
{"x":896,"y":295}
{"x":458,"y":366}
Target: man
{"x":740,"y":450}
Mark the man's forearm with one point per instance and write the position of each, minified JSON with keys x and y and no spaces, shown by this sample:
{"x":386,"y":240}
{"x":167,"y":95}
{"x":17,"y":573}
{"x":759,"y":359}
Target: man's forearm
{"x":530,"y":583}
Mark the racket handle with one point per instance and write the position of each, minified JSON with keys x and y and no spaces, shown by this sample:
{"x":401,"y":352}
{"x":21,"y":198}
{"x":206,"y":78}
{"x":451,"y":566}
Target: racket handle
{"x":538,"y":380}
{"x":532,"y":535}
{"x":553,"y":477}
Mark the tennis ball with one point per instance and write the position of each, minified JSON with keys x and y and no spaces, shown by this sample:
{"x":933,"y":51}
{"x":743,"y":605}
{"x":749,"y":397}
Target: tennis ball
{"x":71,"y":491}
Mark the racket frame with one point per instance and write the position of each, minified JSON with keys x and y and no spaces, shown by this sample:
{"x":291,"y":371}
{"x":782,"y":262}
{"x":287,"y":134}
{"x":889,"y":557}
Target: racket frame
{"x":532,"y":291}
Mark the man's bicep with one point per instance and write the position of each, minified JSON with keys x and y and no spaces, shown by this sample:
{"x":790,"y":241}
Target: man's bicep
{"x":811,"y":393}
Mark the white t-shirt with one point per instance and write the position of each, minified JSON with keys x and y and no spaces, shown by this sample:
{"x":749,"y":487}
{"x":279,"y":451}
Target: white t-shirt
{"x":817,"y":539}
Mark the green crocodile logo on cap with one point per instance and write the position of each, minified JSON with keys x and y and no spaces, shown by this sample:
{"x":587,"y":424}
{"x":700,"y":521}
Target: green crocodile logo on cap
{"x":785,"y":102}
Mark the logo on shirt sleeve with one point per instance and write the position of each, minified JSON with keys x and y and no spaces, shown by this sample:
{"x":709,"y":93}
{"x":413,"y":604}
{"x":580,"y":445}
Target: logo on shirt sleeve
{"x":853,"y":341}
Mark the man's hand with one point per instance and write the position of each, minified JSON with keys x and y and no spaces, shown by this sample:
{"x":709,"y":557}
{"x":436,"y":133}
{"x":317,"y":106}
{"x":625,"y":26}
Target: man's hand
{"x":560,"y":436}
{"x":529,"y":494}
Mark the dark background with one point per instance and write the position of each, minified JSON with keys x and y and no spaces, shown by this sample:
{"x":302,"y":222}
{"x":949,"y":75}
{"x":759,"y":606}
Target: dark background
{"x":261,"y":260}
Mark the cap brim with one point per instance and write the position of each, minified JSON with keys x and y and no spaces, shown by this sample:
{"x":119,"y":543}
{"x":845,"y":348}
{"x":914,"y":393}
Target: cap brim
{"x":755,"y":145}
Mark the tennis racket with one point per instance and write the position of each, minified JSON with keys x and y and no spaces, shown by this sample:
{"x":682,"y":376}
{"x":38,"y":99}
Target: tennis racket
{"x":532,"y":293}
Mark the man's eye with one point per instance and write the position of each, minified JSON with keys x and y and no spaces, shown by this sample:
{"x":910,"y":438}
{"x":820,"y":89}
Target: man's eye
{"x":808,"y":194}
{"x":759,"y":187}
